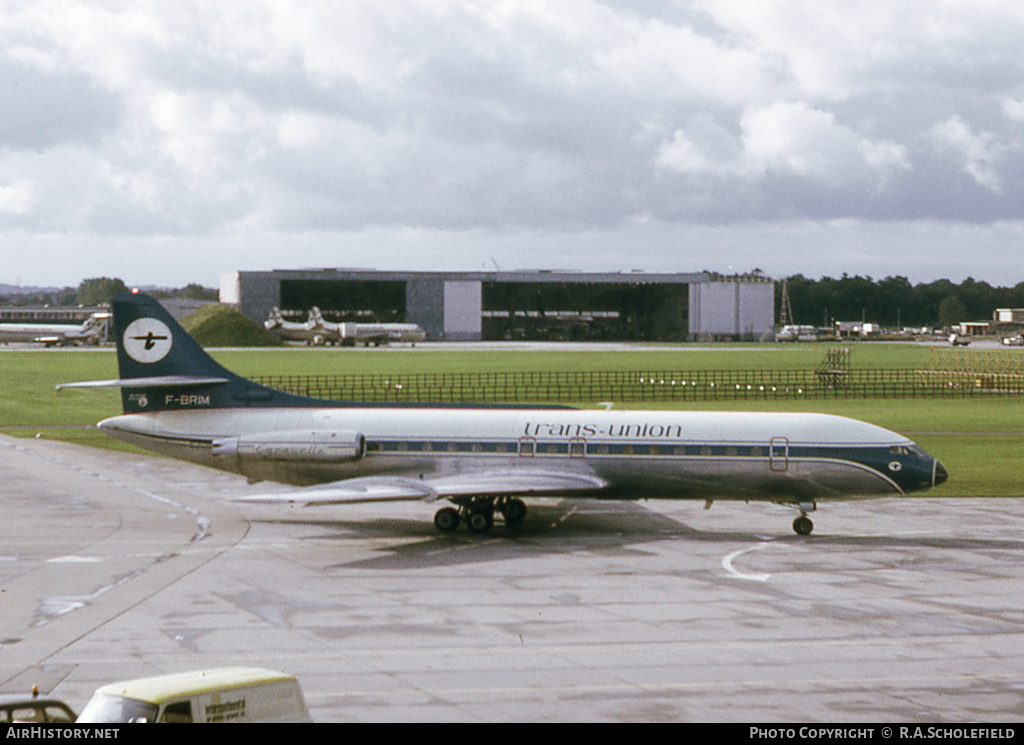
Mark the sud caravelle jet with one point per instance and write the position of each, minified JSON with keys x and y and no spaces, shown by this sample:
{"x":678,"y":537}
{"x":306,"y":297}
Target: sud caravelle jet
{"x":483,"y":459}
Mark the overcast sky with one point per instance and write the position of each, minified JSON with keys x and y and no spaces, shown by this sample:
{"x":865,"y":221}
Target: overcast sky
{"x":168,"y":142}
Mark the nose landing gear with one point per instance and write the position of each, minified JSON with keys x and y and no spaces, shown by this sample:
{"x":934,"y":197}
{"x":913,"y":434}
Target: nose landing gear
{"x":803,"y":525}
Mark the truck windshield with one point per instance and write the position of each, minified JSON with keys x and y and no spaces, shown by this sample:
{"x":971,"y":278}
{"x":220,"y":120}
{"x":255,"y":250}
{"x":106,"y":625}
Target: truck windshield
{"x":104,"y":708}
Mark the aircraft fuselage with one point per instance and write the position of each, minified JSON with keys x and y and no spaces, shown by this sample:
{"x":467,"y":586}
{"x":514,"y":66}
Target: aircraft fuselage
{"x":800,"y":458}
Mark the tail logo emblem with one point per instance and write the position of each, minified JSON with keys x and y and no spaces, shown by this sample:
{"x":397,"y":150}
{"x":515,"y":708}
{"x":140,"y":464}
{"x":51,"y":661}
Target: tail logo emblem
{"x":147,"y":340}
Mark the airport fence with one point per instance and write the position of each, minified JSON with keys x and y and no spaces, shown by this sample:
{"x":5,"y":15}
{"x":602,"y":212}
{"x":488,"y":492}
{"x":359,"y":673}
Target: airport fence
{"x":653,"y":386}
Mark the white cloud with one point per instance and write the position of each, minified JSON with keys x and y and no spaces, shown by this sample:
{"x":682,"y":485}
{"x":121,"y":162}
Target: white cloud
{"x":1014,"y":109}
{"x":977,"y":153}
{"x":838,"y":50}
{"x":16,"y":198}
{"x":792,"y":139}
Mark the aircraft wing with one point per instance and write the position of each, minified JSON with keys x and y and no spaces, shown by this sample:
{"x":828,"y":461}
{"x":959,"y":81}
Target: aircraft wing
{"x":392,"y":489}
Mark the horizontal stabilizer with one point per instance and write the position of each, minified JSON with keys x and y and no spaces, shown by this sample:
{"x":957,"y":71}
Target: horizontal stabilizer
{"x":385,"y":489}
{"x":160,"y":381}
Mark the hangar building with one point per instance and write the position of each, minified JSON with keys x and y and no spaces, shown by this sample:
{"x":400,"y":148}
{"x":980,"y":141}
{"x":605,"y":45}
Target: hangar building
{"x":532,"y":305}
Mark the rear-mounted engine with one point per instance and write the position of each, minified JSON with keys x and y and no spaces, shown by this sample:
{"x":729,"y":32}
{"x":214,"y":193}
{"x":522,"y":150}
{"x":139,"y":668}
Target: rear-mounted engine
{"x":307,"y":446}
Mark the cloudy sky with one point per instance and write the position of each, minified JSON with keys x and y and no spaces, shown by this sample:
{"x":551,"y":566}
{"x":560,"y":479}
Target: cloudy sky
{"x":166,"y":143}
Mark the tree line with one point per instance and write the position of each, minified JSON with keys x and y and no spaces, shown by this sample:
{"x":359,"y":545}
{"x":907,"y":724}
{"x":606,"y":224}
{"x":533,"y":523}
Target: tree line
{"x":894,"y":302}
{"x":98,"y":291}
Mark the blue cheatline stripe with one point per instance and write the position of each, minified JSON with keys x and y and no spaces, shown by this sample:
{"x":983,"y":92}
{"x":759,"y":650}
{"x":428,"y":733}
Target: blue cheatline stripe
{"x":594,"y":449}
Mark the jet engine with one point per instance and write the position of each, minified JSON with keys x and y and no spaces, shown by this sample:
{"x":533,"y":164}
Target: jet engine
{"x":308,"y":446}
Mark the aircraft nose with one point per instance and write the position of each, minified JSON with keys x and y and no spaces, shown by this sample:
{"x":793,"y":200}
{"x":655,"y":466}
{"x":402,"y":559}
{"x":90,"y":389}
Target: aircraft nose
{"x":940,"y":474}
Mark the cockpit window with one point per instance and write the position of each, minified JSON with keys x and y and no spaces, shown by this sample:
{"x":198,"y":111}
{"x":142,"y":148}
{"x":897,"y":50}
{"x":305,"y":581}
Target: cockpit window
{"x":906,"y":450}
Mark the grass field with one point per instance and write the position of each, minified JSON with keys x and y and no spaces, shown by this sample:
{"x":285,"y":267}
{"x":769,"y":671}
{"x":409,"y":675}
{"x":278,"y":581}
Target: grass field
{"x":980,"y":440}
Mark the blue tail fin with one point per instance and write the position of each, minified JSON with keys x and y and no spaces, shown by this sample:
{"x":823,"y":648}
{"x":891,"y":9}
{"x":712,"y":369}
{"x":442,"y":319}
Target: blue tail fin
{"x":162,"y":368}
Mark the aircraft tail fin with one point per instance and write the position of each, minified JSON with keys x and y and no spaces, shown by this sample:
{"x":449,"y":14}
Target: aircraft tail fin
{"x":274,"y":320}
{"x":162,"y":368}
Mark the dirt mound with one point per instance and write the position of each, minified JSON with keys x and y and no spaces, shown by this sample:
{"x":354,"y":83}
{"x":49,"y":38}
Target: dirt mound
{"x":218,"y":325}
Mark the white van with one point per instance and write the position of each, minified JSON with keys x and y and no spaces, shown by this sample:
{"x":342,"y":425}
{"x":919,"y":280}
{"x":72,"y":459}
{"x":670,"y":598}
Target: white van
{"x":226,"y":694}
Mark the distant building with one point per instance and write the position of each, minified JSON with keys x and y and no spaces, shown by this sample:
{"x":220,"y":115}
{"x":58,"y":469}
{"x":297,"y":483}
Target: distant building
{"x":856,"y":328}
{"x":182,"y":307}
{"x":737,"y":309}
{"x":48,"y":314}
{"x":540,"y":304}
{"x":1009,"y":315}
{"x":974,"y":328}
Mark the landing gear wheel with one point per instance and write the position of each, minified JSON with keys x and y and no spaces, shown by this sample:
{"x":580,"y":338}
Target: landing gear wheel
{"x":803,"y":525}
{"x":446,"y":520}
{"x":514,"y":511}
{"x":480,"y":521}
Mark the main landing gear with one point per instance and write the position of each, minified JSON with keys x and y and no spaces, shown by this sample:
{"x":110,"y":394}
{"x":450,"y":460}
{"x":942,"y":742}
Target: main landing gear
{"x":478,"y":513}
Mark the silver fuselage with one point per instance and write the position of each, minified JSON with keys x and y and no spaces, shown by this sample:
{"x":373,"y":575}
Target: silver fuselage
{"x":796,"y":457}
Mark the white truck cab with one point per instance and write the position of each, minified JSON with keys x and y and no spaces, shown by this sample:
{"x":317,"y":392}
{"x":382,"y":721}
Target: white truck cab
{"x":217,"y":695}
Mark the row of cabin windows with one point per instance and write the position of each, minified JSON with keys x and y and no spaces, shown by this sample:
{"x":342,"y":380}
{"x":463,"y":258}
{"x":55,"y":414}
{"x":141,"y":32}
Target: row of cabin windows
{"x":576,"y":448}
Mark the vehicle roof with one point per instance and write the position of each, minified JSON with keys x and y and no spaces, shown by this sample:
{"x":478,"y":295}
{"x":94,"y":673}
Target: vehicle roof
{"x":159,"y":688}
{"x":25,"y":699}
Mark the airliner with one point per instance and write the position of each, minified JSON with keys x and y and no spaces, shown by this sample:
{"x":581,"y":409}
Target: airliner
{"x":318,"y":332}
{"x":482,"y":459}
{"x":92,"y":331}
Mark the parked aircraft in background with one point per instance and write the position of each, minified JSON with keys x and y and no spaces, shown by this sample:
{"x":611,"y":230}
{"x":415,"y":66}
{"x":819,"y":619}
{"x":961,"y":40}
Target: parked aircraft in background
{"x":349,"y":334}
{"x":483,"y":459}
{"x":318,"y":332}
{"x":92,"y":331}
{"x":311,"y":332}
{"x":797,"y":333}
